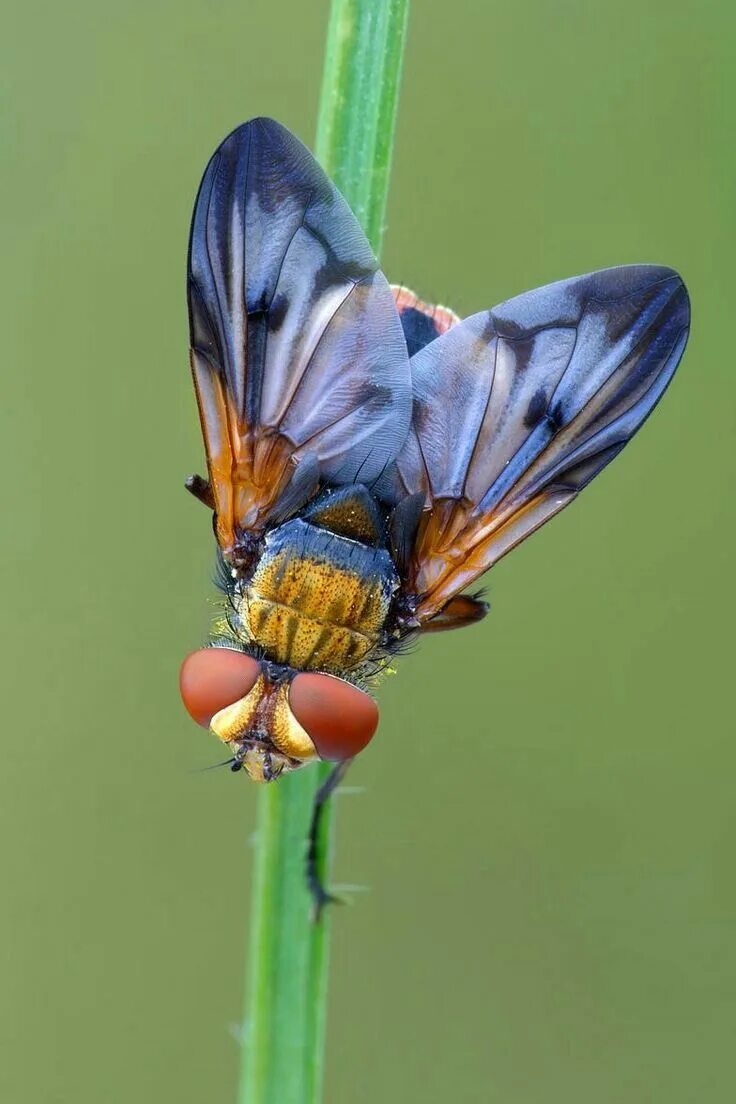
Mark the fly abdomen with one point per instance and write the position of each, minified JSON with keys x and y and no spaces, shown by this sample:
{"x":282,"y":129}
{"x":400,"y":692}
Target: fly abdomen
{"x":318,"y":600}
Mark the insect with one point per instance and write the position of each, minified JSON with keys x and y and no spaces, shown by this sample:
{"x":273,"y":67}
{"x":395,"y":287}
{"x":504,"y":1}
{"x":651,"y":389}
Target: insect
{"x":370,"y":456}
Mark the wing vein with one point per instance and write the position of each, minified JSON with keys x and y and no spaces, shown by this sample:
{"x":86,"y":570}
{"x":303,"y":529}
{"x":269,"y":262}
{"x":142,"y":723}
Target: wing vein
{"x":485,"y":414}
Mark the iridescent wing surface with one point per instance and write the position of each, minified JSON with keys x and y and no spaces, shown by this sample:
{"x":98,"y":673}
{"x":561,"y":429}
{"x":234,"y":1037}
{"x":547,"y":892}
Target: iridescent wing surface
{"x":516,"y":410}
{"x":299,"y":361}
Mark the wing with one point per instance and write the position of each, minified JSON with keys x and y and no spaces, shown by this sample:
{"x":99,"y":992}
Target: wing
{"x":421,"y":322}
{"x":298,"y":356}
{"x":516,"y":409}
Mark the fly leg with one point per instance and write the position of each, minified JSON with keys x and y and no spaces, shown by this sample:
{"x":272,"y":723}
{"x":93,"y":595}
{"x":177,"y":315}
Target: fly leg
{"x":201,"y":489}
{"x":320,"y":895}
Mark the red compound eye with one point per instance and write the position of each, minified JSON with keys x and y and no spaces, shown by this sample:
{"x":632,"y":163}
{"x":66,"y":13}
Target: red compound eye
{"x":212,"y":678}
{"x":339,"y":718}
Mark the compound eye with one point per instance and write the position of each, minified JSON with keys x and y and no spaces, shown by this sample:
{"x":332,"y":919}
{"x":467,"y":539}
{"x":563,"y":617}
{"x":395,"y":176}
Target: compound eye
{"x":339,"y":719}
{"x":212,"y":678}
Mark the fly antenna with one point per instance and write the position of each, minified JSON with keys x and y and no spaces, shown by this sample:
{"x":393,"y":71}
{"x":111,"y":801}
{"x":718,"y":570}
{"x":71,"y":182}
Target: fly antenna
{"x":233,"y":763}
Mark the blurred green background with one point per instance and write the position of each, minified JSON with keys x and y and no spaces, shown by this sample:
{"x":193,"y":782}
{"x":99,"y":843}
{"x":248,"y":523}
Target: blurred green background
{"x":552,"y":908}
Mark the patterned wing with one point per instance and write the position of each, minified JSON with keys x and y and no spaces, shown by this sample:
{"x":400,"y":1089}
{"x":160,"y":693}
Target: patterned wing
{"x":516,"y":409}
{"x":421,"y":322}
{"x":298,"y":356}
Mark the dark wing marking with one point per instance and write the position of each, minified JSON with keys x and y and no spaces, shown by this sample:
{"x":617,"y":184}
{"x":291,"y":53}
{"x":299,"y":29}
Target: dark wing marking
{"x":516,"y":409}
{"x":421,"y":322}
{"x":297,"y":348}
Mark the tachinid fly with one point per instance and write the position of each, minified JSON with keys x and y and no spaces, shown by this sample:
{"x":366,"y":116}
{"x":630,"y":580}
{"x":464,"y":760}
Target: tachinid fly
{"x":370,"y":456}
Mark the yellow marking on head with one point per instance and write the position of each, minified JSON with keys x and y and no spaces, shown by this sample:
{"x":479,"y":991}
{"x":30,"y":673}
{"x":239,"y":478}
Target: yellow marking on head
{"x":234,"y":720}
{"x":268,"y":707}
{"x":286,"y":732}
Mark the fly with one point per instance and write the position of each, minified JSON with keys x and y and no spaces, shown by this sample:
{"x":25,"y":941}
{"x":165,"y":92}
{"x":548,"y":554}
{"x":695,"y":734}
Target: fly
{"x":369,"y":455}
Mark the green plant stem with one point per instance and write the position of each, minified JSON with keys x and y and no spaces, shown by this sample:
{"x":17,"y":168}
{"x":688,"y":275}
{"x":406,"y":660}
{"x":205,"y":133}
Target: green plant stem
{"x":283,"y":1048}
{"x":360,"y":89}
